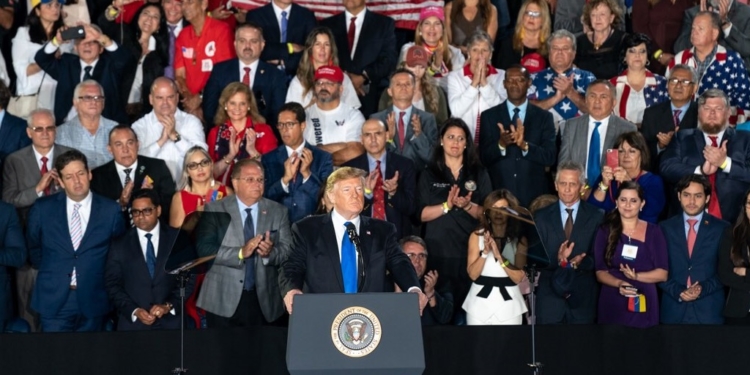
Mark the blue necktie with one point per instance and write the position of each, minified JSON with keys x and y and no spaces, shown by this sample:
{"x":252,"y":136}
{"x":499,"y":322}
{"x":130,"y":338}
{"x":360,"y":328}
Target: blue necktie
{"x":284,"y":25}
{"x":515,"y":118}
{"x":150,"y":255}
{"x":594,"y":165}
{"x":348,"y":263}
{"x":249,"y":231}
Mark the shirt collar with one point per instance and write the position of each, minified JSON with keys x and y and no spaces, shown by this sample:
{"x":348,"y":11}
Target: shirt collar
{"x":243,"y":206}
{"x":253,"y":66}
{"x":521,"y":108}
{"x":684,"y":108}
{"x":154,"y":232}
{"x":121,"y":168}
{"x":604,"y":121}
{"x":698,"y":217}
{"x":85,"y":202}
{"x":338,"y":220}
{"x":359,"y":16}
{"x":298,"y":150}
{"x":92,"y":65}
{"x":574,"y":206}
{"x":48,"y":155}
{"x":278,"y":10}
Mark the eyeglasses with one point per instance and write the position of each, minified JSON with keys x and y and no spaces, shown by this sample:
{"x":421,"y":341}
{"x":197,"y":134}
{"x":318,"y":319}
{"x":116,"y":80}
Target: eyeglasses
{"x":713,"y":109}
{"x":46,"y":129}
{"x":326,"y":84}
{"x":203,"y":164}
{"x":565,"y":49}
{"x":287,"y":125}
{"x":251,"y":180}
{"x":144,"y":212}
{"x":684,"y":82}
{"x":533,"y":14}
{"x":89,"y":98}
{"x":420,"y":256}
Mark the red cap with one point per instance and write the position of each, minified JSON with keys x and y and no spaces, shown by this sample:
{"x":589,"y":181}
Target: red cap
{"x":416,"y":55}
{"x":330,"y":72}
{"x":534,"y":63}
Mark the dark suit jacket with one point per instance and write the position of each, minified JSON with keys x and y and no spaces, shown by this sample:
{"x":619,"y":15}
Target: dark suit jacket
{"x":738,"y":299}
{"x":302,"y":198}
{"x":404,"y":203}
{"x":580,"y":307}
{"x":523,"y":175}
{"x":301,"y":22}
{"x":12,"y":254}
{"x":130,"y":286}
{"x":701,"y":267}
{"x":269,"y":87}
{"x":659,"y":119}
{"x":12,"y":137}
{"x":106,"y":182}
{"x":685,"y":153}
{"x":51,"y":252}
{"x":314,"y":264}
{"x":375,"y":52}
{"x":108,"y":72}
{"x":418,"y":150}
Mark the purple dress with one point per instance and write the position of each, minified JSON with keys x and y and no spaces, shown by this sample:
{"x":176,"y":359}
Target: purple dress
{"x":652,"y":254}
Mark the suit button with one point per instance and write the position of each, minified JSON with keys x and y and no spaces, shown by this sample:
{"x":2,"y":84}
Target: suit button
{"x":76,"y":256}
{"x":240,"y":281}
{"x":515,"y":175}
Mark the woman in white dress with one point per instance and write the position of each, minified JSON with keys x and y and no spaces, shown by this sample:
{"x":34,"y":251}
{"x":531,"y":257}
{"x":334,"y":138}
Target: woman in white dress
{"x":320,"y":50}
{"x":495,"y":264}
{"x":41,"y":26}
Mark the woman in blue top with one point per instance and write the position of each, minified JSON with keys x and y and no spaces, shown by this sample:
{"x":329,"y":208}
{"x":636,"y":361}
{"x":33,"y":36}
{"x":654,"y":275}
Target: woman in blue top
{"x":632,"y":162}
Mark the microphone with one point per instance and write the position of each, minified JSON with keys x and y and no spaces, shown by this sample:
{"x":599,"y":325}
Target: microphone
{"x":351,"y":231}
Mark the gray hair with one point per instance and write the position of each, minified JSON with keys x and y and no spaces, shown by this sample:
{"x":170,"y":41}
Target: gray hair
{"x":479,"y":36}
{"x":570,"y":165}
{"x":605,"y":82}
{"x":415,"y":239}
{"x":715,"y":19}
{"x":713,"y":93}
{"x":39,"y":111}
{"x":559,"y":34}
{"x":88,"y":82}
{"x":692,"y":71}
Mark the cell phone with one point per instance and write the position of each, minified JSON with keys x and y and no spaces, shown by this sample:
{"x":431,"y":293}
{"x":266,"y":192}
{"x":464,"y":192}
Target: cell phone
{"x":72,"y":33}
{"x":613,"y":158}
{"x":231,"y":8}
{"x":630,"y":288}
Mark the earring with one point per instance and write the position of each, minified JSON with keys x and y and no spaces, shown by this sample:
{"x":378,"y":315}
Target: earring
{"x":225,"y":108}
{"x":441,"y":143}
{"x":648,"y":62}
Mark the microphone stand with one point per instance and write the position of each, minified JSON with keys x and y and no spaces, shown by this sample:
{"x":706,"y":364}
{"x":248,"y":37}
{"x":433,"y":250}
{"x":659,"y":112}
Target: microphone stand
{"x":351,"y":231}
{"x":183,"y":276}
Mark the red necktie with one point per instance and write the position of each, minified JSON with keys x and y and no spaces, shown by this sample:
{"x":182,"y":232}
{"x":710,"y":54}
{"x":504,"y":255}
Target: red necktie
{"x":378,"y":195}
{"x":350,"y":34}
{"x":676,"y":117}
{"x":691,"y":241}
{"x":713,"y":204}
{"x":401,"y":129}
{"x":246,"y":77}
{"x":44,"y":171}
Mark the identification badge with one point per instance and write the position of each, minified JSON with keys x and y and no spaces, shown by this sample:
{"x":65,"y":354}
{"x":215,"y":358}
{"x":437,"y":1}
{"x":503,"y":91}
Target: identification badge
{"x":207,"y":65}
{"x":629,"y":252}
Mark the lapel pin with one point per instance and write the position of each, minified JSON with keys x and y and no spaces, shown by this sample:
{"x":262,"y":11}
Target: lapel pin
{"x":368,"y":232}
{"x":261,"y":71}
{"x":263,"y":212}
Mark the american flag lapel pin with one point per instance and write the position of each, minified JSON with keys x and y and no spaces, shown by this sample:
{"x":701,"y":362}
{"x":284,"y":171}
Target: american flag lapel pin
{"x":263,"y":212}
{"x":368,"y":232}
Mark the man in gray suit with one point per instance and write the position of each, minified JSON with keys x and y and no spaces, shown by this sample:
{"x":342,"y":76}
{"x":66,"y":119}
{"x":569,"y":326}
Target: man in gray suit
{"x":28,"y":175}
{"x":585,"y":139}
{"x":250,"y":236}
{"x":411,"y":132}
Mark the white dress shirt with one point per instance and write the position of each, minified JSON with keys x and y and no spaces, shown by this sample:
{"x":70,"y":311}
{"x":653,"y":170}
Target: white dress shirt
{"x":602,"y":134}
{"x":121,"y":171}
{"x":277,"y":11}
{"x":84,"y":212}
{"x":340,"y":229}
{"x":289,"y":152}
{"x":467,"y":102}
{"x":253,"y":69}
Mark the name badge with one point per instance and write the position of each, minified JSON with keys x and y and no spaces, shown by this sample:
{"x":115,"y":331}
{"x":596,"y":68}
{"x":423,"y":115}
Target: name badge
{"x":207,"y":65}
{"x":629,"y":252}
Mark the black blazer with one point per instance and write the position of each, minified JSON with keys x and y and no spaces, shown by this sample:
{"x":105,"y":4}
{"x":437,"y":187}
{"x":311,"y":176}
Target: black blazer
{"x":738,"y":298}
{"x":375,"y":52}
{"x":12,"y":255}
{"x":314,"y":265}
{"x":108,"y":72}
{"x":659,"y":119}
{"x":12,"y":137}
{"x":523,"y":175}
{"x":269,"y":87}
{"x":301,"y":22}
{"x":404,"y":203}
{"x":580,"y":307}
{"x":130,"y":286}
{"x":105,"y":181}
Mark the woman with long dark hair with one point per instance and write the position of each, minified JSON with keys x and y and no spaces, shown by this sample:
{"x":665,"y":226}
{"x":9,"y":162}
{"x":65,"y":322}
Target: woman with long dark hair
{"x":465,"y":17}
{"x":450,"y":192}
{"x":734,"y":269}
{"x":630,"y":259}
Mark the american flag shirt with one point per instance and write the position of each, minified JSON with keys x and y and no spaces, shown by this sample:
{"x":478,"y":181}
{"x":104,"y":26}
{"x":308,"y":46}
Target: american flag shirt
{"x":542,"y":88}
{"x":726,"y":72}
{"x":654,"y":92}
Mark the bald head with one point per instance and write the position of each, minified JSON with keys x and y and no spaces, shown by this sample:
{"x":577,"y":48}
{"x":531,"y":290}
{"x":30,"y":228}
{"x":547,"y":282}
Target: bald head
{"x":164,"y":96}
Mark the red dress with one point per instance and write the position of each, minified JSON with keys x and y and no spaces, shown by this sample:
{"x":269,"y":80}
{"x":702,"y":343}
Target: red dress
{"x":190,"y":205}
{"x":218,"y":144}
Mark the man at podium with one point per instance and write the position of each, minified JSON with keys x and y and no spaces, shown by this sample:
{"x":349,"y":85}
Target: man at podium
{"x":343,"y":252}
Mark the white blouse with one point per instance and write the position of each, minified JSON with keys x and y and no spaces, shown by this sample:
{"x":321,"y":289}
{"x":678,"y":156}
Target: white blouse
{"x":23,"y":52}
{"x":467,"y":102}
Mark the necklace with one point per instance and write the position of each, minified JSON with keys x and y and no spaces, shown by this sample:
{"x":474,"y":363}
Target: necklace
{"x":630,"y":232}
{"x":598,"y":45}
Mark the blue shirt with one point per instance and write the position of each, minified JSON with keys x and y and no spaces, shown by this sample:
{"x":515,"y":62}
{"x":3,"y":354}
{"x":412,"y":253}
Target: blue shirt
{"x":685,"y":218}
{"x":564,"y":214}
{"x":254,"y":212}
{"x":72,"y":134}
{"x":521,"y":111}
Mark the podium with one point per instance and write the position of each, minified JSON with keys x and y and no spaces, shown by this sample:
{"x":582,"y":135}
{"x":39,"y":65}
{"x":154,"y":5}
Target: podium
{"x":363,"y":333}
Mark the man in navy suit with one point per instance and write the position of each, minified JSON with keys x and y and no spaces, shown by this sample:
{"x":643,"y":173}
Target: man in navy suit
{"x":567,"y":292}
{"x":517,"y":141}
{"x":366,"y":43}
{"x":693,"y":293}
{"x":91,"y":62}
{"x":144,"y":295}
{"x":266,"y":81}
{"x":391,"y":184}
{"x":12,"y":129}
{"x":70,"y":253}
{"x":285,"y":28}
{"x":296,"y":170}
{"x":715,"y":150}
{"x":323,"y":257}
{"x":12,"y":254}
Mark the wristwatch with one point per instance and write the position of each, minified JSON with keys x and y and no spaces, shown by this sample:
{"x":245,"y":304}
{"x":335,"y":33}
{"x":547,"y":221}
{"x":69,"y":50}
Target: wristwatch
{"x":177,"y":137}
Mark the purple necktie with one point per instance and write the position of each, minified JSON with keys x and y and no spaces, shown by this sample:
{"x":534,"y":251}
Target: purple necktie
{"x":169,"y":70}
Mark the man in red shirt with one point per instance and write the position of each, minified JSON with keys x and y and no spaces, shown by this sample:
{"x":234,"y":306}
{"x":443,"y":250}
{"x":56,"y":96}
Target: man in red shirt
{"x":199,"y":47}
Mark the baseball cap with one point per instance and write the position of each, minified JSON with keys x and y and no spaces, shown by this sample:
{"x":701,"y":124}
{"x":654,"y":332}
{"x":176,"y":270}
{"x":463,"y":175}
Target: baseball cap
{"x":432,"y":12}
{"x":34,"y":3}
{"x":330,"y":72}
{"x":416,"y":55}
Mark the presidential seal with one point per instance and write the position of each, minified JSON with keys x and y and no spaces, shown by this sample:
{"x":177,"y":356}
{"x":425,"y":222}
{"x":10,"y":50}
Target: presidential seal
{"x":356,"y":332}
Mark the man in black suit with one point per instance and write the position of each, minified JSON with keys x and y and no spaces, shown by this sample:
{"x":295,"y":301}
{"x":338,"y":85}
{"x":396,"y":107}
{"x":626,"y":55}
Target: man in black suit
{"x":567,"y":292}
{"x":12,"y":255}
{"x":366,"y":43}
{"x":144,"y":295}
{"x":323,"y":256}
{"x":266,"y":81}
{"x":12,"y":129}
{"x":285,"y":28}
{"x":91,"y":62}
{"x":517,"y":141}
{"x":391,"y":183}
{"x":439,"y":309}
{"x":129,"y":172}
{"x":662,"y":121}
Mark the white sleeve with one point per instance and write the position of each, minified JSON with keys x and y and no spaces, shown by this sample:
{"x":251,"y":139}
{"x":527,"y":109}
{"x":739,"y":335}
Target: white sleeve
{"x":354,"y":132}
{"x":192,"y":134}
{"x":349,"y":96}
{"x":461,"y":97}
{"x":22,"y":53}
{"x":147,"y":147}
{"x":294,"y":92}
